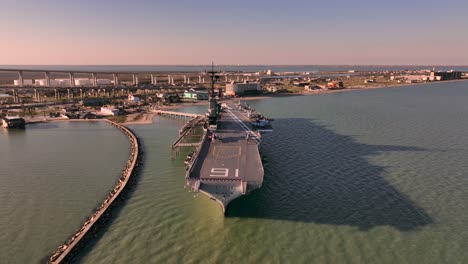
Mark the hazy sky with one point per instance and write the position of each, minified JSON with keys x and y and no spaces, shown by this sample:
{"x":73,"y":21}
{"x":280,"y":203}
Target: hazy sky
{"x":233,"y":32}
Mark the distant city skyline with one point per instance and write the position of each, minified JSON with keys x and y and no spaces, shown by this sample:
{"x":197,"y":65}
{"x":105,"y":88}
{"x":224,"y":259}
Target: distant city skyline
{"x":182,"y":32}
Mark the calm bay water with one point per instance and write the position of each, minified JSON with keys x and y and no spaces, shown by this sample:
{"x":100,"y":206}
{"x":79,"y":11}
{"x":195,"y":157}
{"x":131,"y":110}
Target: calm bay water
{"x":371,"y":176}
{"x":52,"y":176}
{"x":375,"y":176}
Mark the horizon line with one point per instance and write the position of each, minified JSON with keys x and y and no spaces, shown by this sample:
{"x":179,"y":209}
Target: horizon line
{"x":466,"y":65}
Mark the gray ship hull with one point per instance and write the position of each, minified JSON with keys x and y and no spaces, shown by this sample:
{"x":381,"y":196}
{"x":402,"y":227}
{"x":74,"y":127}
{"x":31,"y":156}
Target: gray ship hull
{"x":228,"y":162}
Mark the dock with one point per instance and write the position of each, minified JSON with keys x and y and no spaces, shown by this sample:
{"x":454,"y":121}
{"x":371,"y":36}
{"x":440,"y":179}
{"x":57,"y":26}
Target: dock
{"x":178,"y":114}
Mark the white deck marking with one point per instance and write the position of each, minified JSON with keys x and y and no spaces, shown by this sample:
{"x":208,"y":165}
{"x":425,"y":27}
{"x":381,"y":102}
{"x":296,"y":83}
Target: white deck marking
{"x":219,"y":172}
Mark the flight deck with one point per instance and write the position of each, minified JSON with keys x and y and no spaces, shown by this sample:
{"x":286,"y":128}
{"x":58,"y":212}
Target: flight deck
{"x":228,"y":163}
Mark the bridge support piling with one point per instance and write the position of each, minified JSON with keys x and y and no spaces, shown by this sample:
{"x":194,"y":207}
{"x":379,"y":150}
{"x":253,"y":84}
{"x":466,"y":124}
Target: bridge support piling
{"x":94,"y":79}
{"x":21,"y":79}
{"x":116,"y":81}
{"x":47,"y":79}
{"x":72,"y":79}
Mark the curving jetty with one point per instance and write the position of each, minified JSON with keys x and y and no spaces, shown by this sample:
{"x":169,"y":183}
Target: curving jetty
{"x":66,"y":251}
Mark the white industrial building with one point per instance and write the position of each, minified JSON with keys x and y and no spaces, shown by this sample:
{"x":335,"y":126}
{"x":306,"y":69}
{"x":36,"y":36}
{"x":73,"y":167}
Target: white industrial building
{"x":63,"y":82}
{"x":43,"y":82}
{"x":244,"y":88}
{"x":26,"y":82}
{"x":110,"y":111}
{"x":82,"y":82}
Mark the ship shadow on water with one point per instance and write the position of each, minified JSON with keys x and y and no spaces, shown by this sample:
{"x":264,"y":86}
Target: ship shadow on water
{"x":314,"y":175}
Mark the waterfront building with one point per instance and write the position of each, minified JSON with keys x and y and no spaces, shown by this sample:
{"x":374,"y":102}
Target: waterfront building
{"x":13,"y":122}
{"x":26,"y":82}
{"x":309,"y":88}
{"x":110,"y":111}
{"x":196,"y":95}
{"x":335,"y":85}
{"x":448,"y":75}
{"x":83,"y":82}
{"x":245,"y":88}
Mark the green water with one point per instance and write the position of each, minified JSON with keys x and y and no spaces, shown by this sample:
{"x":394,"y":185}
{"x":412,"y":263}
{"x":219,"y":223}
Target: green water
{"x":376,"y":176}
{"x":362,"y":177}
{"x":52,"y":177}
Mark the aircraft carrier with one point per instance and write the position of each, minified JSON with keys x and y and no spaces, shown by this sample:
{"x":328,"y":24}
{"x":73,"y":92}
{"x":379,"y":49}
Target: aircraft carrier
{"x":227,"y":163}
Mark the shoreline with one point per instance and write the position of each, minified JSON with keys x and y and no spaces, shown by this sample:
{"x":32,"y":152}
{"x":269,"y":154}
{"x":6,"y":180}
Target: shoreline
{"x":148,"y":117}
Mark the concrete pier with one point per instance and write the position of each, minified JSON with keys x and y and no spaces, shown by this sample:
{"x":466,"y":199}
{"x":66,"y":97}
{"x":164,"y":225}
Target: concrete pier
{"x":171,"y":113}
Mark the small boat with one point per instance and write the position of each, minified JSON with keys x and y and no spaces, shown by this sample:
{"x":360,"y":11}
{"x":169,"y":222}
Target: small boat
{"x":261,"y":123}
